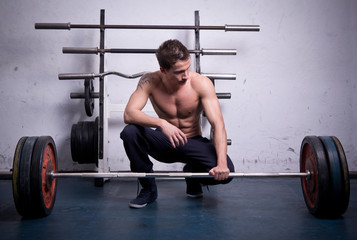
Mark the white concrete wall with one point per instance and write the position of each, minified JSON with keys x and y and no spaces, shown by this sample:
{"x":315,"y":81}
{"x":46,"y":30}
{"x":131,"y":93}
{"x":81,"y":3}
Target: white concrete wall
{"x":296,"y":77}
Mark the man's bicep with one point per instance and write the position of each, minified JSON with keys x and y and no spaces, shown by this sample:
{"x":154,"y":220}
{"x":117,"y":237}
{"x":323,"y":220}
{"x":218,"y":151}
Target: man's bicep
{"x":137,"y":100}
{"x":211,"y":105}
{"x":212,"y":110}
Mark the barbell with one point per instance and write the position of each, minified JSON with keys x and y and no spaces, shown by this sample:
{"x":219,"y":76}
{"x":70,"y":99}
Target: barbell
{"x":324,"y":175}
{"x":89,"y":95}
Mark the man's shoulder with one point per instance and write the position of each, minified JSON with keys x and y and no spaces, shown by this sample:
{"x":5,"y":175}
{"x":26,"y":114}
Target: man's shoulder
{"x":151,"y":75}
{"x":149,"y":79}
{"x":199,"y":81}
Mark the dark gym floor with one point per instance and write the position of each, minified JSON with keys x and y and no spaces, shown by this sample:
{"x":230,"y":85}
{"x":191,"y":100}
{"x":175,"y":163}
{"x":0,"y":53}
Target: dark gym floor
{"x":244,"y":209}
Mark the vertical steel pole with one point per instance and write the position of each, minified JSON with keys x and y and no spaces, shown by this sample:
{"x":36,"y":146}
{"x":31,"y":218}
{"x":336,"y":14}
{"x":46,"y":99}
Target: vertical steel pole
{"x":197,"y":41}
{"x":101,"y":83}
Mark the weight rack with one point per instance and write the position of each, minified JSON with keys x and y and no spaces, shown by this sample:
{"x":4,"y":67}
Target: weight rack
{"x":105,"y":107}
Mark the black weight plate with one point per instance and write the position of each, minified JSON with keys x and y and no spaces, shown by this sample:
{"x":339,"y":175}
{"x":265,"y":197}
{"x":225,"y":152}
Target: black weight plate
{"x":345,"y":175}
{"x":77,"y":144}
{"x":43,"y":187}
{"x":316,"y":186}
{"x":90,"y":147}
{"x":73,"y":142}
{"x":25,"y":208}
{"x":16,"y":175}
{"x":88,"y":101}
{"x":80,"y":143}
{"x":335,"y":177}
{"x":93,"y":134}
{"x":95,"y":139}
{"x":84,"y":142}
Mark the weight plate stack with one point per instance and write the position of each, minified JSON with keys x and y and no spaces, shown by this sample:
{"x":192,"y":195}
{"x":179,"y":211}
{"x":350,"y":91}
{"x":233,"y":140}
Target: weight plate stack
{"x":84,"y":142}
{"x":327,"y":190}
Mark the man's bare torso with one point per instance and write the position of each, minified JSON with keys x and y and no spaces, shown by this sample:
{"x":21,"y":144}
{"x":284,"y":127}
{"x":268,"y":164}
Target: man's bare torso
{"x":181,"y":107}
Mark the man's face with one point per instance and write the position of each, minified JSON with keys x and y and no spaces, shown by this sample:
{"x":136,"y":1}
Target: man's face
{"x":179,"y":72}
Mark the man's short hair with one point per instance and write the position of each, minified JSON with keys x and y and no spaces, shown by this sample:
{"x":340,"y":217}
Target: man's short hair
{"x":170,"y":52}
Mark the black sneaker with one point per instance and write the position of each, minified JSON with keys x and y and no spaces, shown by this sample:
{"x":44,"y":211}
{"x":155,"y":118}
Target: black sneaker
{"x":145,"y":196}
{"x":148,"y":193}
{"x":194,"y":188}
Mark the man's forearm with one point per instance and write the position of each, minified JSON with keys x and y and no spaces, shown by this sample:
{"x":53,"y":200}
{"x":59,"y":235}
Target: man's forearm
{"x":142,"y":119}
{"x":220,"y":143}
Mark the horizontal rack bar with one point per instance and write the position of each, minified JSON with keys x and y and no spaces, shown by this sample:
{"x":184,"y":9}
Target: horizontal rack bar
{"x":76,"y":50}
{"x":78,"y":95}
{"x":68,"y":26}
{"x":171,"y":175}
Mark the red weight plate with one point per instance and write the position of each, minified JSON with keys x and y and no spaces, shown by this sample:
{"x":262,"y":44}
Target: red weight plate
{"x":43,"y":186}
{"x":316,"y":186}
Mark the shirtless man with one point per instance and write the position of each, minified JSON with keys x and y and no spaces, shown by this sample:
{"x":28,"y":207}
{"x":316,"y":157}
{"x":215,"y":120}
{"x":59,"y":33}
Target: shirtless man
{"x":178,"y":97}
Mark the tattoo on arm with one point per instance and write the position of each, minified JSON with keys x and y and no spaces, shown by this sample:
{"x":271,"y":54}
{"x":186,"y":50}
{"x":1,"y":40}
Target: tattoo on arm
{"x":145,"y":79}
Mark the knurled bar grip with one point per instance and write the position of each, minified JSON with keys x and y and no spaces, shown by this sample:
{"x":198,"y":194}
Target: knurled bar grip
{"x":68,"y":26}
{"x":75,"y":50}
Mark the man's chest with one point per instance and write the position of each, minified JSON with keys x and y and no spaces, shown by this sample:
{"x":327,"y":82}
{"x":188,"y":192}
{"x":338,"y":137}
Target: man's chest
{"x":181,"y":104}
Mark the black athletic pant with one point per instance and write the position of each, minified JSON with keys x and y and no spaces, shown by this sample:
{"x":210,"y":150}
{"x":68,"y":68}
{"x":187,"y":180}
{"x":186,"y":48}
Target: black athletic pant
{"x":198,"y":153}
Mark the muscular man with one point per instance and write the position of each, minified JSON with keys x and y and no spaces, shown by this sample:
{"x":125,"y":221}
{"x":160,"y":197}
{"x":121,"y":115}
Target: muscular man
{"x":178,"y":97}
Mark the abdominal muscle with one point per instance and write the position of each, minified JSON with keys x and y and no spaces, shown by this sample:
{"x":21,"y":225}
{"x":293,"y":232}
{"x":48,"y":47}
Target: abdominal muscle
{"x":184,"y":113}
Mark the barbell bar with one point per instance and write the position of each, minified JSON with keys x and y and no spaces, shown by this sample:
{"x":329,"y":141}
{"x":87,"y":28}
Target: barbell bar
{"x":8,"y":175}
{"x":69,"y":26}
{"x":79,"y":95}
{"x":325,"y":190}
{"x":76,"y":76}
{"x":172,"y":175}
{"x":203,"y":51}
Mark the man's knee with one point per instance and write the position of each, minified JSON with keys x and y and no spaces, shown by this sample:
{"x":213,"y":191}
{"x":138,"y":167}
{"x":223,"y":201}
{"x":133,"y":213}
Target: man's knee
{"x":129,"y":132}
